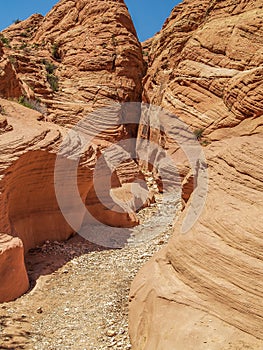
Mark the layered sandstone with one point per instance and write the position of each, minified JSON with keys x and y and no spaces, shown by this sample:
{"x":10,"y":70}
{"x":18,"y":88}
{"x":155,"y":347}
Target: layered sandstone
{"x":204,"y":63}
{"x":204,"y":290}
{"x":29,"y":208}
{"x":83,"y":55}
{"x":205,"y":287}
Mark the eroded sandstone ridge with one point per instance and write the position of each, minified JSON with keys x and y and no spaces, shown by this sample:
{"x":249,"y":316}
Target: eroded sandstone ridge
{"x":83,"y":55}
{"x":204,"y":290}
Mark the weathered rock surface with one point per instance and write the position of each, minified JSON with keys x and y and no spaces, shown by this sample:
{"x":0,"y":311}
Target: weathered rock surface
{"x":205,"y":66}
{"x":204,"y":290}
{"x":29,"y":209}
{"x":14,"y":280}
{"x":81,"y":56}
{"x":208,"y":280}
{"x":205,"y":63}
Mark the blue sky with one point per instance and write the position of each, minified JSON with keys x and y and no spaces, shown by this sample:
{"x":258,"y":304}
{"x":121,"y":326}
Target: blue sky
{"x":148,"y":15}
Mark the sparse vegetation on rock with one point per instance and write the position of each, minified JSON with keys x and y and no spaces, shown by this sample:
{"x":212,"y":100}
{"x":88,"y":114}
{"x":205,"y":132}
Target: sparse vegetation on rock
{"x":32,"y":104}
{"x":5,"y":40}
{"x":55,"y":51}
{"x":50,"y":67}
{"x":198,"y":133}
{"x":53,"y":81}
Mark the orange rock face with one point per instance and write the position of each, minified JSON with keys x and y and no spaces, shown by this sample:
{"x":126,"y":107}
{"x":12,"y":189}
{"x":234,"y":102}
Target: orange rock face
{"x":204,"y":290}
{"x":83,"y":55}
{"x":202,"y":66}
{"x":205,"y":286}
{"x":12,"y":266}
{"x":201,"y":70}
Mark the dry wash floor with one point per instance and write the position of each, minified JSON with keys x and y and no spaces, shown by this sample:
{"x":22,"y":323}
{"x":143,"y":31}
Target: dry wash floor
{"x":79,"y":293}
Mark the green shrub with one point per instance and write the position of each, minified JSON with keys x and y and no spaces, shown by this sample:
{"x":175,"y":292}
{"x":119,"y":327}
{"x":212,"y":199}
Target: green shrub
{"x":50,"y":67}
{"x":25,"y":102}
{"x":114,"y":40}
{"x":198,"y":133}
{"x":53,"y":81}
{"x":205,"y":143}
{"x":35,"y":46}
{"x":51,"y":77}
{"x":2,"y":110}
{"x":5,"y":40}
{"x":17,"y":21}
{"x":23,"y":45}
{"x":24,"y":34}
{"x":12,"y":60}
{"x":54,"y":51}
{"x":32,"y":104}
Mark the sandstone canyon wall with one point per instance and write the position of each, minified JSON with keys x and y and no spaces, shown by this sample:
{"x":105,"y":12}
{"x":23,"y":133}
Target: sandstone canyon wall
{"x":204,"y":289}
{"x":83,"y":55}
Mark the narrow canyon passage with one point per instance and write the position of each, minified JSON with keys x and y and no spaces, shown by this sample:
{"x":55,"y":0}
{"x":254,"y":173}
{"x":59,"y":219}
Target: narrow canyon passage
{"x":79,"y":291}
{"x":192,"y":281}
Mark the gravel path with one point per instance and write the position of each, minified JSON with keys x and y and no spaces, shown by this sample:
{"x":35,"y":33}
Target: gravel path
{"x":80,"y":300}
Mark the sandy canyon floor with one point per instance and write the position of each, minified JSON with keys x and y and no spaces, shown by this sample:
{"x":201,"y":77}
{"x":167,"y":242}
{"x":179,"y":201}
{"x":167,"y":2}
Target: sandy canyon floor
{"x":79,"y":291}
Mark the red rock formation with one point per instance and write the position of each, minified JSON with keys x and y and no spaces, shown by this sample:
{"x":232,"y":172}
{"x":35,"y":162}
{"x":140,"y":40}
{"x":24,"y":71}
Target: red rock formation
{"x":90,"y":47}
{"x":205,"y":286}
{"x":81,"y":56}
{"x":204,"y":290}
{"x":14,"y":280}
{"x":9,"y":82}
{"x":200,"y":67}
{"x":28,"y":205}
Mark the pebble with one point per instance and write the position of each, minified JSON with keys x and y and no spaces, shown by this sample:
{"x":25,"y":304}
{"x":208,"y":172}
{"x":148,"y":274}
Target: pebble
{"x":111,"y":333}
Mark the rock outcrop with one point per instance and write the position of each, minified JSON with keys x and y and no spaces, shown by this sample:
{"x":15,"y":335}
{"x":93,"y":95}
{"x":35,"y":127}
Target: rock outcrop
{"x":29,"y":209}
{"x":14,"y":280}
{"x":203,"y":64}
{"x":83,"y":55}
{"x":204,"y":290}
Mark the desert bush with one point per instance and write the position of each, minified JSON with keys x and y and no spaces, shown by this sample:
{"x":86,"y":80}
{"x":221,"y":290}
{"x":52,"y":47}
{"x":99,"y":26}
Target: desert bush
{"x":114,"y":40}
{"x":5,"y":40}
{"x":23,"y":45}
{"x":54,"y":51}
{"x":53,"y":81}
{"x":35,"y":46}
{"x":51,"y":77}
{"x":32,"y":104}
{"x":198,"y":133}
{"x":25,"y":102}
{"x":2,"y":110}
{"x":12,"y":60}
{"x":24,"y":34}
{"x":50,"y":67}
